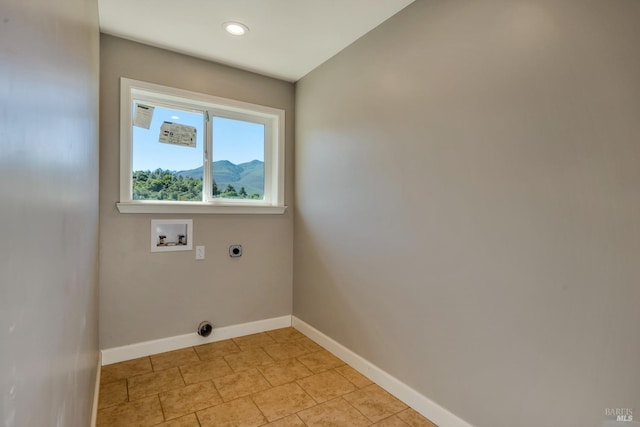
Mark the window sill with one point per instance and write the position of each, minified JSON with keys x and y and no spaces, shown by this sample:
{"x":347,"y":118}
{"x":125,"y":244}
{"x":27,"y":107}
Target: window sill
{"x":197,"y":208}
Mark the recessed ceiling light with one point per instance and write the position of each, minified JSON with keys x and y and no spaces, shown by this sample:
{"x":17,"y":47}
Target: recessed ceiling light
{"x":235,"y":28}
{"x":175,"y":118}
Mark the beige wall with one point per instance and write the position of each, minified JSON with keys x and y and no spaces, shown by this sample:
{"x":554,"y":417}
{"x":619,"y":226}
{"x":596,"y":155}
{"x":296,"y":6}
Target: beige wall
{"x":48,"y":211}
{"x":467,"y":206}
{"x":144,"y":295}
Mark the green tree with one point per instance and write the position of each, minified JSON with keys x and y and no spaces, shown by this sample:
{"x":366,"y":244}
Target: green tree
{"x":165,"y":185}
{"x":229,"y":192}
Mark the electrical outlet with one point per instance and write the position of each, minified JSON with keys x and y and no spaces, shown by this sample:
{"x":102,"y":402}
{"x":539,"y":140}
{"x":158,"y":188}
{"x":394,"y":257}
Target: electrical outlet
{"x":199,"y":252}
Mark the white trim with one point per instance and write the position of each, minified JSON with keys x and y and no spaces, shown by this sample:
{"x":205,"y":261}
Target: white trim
{"x":196,"y":208}
{"x":422,"y":404}
{"x":96,"y":393}
{"x":126,"y":157}
{"x":278,"y":160}
{"x":147,"y":348}
{"x":212,"y":101}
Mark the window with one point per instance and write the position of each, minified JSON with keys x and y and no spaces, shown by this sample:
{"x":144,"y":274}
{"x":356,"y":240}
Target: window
{"x":186,"y":152}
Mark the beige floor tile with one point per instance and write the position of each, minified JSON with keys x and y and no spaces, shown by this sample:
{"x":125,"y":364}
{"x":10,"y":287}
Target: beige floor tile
{"x":354,"y":376}
{"x":290,"y":421}
{"x":285,"y":334}
{"x":393,"y":421}
{"x":288,"y":350}
{"x":309,"y":344}
{"x":216,"y":349}
{"x":283,"y":400}
{"x":248,"y":359}
{"x":174,"y":359}
{"x":191,"y":398}
{"x":254,"y":340}
{"x":112,"y":393}
{"x":326,"y":386}
{"x":375,"y":403}
{"x":118,"y":371}
{"x":320,"y":361}
{"x":154,"y":383}
{"x":241,"y":384}
{"x":187,"y":421}
{"x":204,"y":371}
{"x":414,"y":419}
{"x":139,"y":413}
{"x":334,"y":413}
{"x":284,"y":371}
{"x":237,"y":413}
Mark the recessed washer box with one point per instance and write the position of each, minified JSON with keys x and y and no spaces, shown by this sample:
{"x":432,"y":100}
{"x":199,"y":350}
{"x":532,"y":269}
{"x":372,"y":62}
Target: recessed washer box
{"x":169,"y":235}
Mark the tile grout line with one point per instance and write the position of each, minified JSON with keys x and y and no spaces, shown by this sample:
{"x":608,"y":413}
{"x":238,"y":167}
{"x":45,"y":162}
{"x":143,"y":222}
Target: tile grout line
{"x":256,"y":405}
{"x":164,"y":417}
{"x":126,"y":383}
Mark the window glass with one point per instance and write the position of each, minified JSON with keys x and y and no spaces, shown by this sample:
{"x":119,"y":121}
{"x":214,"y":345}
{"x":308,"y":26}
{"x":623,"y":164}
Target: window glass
{"x":238,"y":159}
{"x":163,"y":166}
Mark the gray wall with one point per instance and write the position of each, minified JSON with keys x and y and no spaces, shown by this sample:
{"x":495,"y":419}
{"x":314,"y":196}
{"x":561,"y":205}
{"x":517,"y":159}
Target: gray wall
{"x":48,"y":211}
{"x":467,"y":206}
{"x":144,"y":295}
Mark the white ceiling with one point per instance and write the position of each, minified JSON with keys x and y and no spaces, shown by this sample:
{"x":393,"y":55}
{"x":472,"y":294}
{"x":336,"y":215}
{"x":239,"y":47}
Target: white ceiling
{"x":287,"y":38}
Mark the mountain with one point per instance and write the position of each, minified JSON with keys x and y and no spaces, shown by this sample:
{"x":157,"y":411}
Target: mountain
{"x":249,"y":175}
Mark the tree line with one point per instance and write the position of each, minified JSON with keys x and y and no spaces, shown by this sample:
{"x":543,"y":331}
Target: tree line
{"x":162,"y":184}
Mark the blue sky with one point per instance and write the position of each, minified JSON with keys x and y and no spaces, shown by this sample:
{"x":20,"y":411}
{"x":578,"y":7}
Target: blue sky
{"x":233,"y":140}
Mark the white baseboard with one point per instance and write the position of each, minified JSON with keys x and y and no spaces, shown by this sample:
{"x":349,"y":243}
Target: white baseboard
{"x":96,"y":393}
{"x":425,"y":406}
{"x":147,"y":348}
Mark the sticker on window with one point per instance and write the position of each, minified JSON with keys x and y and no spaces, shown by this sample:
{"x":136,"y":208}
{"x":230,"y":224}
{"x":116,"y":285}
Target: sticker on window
{"x":143,"y":116}
{"x":177,"y":134}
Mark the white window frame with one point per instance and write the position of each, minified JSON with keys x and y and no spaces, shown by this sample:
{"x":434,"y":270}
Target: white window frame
{"x":272,"y":118}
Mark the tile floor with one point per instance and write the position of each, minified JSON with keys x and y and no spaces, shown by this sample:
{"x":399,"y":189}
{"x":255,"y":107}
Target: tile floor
{"x":278,"y":378}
